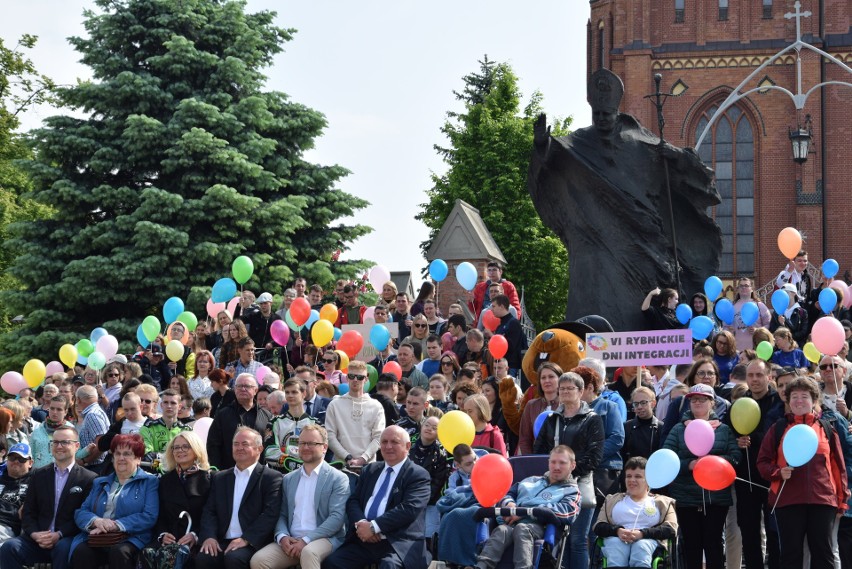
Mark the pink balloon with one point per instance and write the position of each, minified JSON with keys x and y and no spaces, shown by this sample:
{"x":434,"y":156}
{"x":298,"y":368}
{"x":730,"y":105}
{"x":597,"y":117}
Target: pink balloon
{"x":202,"y":427}
{"x":107,"y":345}
{"x":232,"y":304}
{"x":261,"y":373}
{"x":844,"y":290}
{"x":214,"y":308}
{"x":53,"y":367}
{"x":379,"y":275}
{"x":828,"y":335}
{"x":12,"y":382}
{"x":699,"y":437}
{"x":280,"y":332}
{"x":369,"y":315}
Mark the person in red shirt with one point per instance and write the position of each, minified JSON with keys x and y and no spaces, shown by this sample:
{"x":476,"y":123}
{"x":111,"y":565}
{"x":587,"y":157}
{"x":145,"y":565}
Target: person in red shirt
{"x":482,"y":300}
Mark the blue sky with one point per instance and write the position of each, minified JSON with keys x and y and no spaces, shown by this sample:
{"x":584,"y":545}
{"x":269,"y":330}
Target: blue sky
{"x":383,"y":73}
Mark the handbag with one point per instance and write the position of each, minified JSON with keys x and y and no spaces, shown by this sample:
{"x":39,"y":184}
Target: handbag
{"x":171,"y":556}
{"x":107,"y":539}
{"x":587,"y":491}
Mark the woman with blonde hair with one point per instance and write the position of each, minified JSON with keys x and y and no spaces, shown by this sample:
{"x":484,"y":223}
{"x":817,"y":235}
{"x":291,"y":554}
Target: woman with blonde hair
{"x":487,"y":435}
{"x":389,"y":293}
{"x":232,"y":333}
{"x":745,"y":293}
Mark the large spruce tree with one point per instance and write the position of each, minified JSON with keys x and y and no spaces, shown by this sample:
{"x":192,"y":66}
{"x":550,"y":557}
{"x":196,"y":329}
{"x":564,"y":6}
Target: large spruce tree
{"x":487,"y":159}
{"x":181,"y":163}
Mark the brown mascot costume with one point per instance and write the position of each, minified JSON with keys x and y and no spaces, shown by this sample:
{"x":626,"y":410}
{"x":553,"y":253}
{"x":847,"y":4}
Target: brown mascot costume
{"x":563,"y":344}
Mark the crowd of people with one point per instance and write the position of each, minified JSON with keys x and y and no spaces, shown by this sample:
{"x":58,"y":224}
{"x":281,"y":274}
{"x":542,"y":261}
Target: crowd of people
{"x":249,"y":453}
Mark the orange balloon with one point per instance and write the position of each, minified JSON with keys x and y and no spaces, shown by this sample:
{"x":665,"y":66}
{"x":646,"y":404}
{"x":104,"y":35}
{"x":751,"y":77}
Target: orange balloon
{"x":490,"y":479}
{"x":489,"y":320}
{"x":713,"y":473}
{"x":329,"y":312}
{"x":790,"y":242}
{"x":498,"y":346}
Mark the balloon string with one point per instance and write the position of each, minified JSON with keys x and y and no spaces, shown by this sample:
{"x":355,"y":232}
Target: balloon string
{"x":778,"y":497}
{"x":751,"y":483}
{"x":748,"y":464}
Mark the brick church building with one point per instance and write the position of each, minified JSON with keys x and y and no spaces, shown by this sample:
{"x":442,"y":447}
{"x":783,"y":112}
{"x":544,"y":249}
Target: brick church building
{"x":708,"y":47}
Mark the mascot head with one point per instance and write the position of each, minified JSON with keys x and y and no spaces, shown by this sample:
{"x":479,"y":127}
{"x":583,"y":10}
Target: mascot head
{"x":563,"y":344}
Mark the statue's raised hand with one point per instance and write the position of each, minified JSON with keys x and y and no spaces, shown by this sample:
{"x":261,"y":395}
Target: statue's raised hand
{"x":541,"y":132}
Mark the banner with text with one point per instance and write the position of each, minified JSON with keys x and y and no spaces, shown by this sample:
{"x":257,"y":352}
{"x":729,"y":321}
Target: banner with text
{"x":657,"y":347}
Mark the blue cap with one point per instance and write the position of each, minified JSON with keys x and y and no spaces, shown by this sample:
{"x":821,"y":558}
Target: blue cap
{"x":22,"y":449}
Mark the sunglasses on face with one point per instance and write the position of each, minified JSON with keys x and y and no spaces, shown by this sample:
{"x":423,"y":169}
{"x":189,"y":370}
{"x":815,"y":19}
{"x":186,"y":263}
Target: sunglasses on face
{"x":356,"y":377}
{"x":328,"y":361}
{"x":148,"y":401}
{"x":825,"y":367}
{"x":421,"y":325}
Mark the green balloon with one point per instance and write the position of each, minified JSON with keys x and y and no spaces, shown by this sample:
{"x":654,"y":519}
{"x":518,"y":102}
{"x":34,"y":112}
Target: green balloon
{"x":242,"y":269}
{"x":292,"y":324}
{"x":85,"y":347}
{"x":373,"y":374}
{"x":151,"y":327}
{"x":764,"y":350}
{"x":97,"y":361}
{"x":189,"y":319}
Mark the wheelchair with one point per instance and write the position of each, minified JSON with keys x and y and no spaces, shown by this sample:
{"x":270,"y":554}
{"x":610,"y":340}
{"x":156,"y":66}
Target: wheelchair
{"x":663,"y":558}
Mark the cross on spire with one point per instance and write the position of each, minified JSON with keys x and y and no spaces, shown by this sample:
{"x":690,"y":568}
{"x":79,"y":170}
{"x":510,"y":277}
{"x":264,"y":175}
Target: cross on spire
{"x":798,"y":14}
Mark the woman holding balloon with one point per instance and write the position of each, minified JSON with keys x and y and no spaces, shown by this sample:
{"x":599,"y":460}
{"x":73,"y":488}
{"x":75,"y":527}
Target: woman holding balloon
{"x":749,"y":314}
{"x":659,"y":309}
{"x":701,"y":513}
{"x":807,"y":474}
{"x":548,"y":398}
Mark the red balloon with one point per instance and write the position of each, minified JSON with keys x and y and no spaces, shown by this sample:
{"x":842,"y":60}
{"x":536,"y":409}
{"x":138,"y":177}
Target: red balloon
{"x":713,"y":473}
{"x":490,"y":479}
{"x":498,"y":346}
{"x":393,"y":367}
{"x":351,"y":343}
{"x":489,"y":320}
{"x":300,"y":311}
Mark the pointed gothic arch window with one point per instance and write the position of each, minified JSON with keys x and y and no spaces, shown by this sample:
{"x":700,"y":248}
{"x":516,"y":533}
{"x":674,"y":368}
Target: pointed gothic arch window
{"x":729,"y":150}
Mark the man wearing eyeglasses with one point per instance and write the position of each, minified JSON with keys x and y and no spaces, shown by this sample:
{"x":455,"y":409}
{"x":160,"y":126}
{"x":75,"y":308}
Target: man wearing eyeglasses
{"x":242,"y":412}
{"x":832,"y":371}
{"x":313,"y":509}
{"x":355,"y":421}
{"x":47,"y":519}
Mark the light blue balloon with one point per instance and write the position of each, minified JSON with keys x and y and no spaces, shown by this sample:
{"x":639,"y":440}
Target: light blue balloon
{"x":799,"y":445}
{"x":683,"y":313}
{"x":223,"y":290}
{"x":337,"y":334}
{"x":662,"y":468}
{"x":466,"y":275}
{"x":140,"y":337}
{"x":830,"y":268}
{"x":827,"y":300}
{"x":539,"y":421}
{"x":749,"y":313}
{"x":701,"y":327}
{"x":780,"y":301}
{"x":97,"y":334}
{"x":438,"y":270}
{"x":724,"y":311}
{"x":343,"y":388}
{"x":291,"y":324}
{"x":713,"y":287}
{"x":172,"y":309}
{"x":379,"y":336}
{"x":82,"y":360}
{"x":312,"y":318}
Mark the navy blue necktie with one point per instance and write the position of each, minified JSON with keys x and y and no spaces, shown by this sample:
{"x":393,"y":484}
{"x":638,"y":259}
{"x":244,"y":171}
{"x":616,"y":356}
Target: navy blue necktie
{"x":308,"y":407}
{"x":373,"y":512}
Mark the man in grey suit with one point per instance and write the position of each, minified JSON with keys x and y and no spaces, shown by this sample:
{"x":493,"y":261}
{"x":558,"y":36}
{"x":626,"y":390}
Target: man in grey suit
{"x":313,"y":509}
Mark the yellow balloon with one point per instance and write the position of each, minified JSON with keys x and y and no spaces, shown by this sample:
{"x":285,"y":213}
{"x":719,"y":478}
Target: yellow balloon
{"x":745,"y":415}
{"x":174,"y":350}
{"x":68,"y":355}
{"x":329,"y":312}
{"x":322,"y":332}
{"x":34,"y":373}
{"x":344,"y":360}
{"x":812,"y":353}
{"x":456,"y":428}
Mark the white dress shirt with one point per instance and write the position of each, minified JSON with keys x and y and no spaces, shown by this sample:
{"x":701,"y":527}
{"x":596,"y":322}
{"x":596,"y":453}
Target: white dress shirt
{"x":384,"y":503}
{"x":304,"y":512}
{"x":241,"y":479}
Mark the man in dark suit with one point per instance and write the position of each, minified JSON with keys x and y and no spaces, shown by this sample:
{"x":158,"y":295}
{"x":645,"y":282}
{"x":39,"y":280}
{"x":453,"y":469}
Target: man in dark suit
{"x":243,"y":411}
{"x":47,"y":526}
{"x":243,"y":507}
{"x":388,"y":510}
{"x":315,"y":405}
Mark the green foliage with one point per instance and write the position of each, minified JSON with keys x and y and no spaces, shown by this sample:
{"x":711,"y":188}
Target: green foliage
{"x":487,"y":159}
{"x":182,"y":163}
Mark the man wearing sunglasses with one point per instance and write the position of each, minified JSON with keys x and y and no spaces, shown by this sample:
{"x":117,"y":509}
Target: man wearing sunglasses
{"x":355,"y":421}
{"x":47,"y":518}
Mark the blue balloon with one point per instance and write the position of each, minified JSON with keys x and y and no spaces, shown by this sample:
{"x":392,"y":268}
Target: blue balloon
{"x":466,"y":275}
{"x":172,"y":309}
{"x":539,"y":421}
{"x":749,"y":313}
{"x":379,"y":336}
{"x":780,"y":301}
{"x":799,"y":445}
{"x":827,"y":300}
{"x":830,"y":268}
{"x":140,"y":337}
{"x":662,"y":468}
{"x":337,"y":334}
{"x":713,"y":287}
{"x":683,"y":313}
{"x":311,"y":319}
{"x":438,"y":270}
{"x":701,"y":327}
{"x":97,"y":334}
{"x":343,"y":388}
{"x":724,"y":310}
{"x":82,"y":360}
{"x":223,"y":291}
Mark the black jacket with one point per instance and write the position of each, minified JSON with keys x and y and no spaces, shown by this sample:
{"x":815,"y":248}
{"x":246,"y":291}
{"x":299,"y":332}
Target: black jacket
{"x":37,"y":513}
{"x":176,"y":497}
{"x":584,"y":433}
{"x":641,"y":437}
{"x":224,"y":427}
{"x":435,"y":460}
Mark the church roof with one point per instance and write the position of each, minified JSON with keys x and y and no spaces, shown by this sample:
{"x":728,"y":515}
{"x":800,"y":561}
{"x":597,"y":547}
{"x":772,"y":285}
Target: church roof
{"x":464,"y":237}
